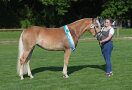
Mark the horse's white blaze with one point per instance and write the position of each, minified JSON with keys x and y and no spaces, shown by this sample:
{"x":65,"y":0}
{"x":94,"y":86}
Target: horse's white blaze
{"x":98,"y":23}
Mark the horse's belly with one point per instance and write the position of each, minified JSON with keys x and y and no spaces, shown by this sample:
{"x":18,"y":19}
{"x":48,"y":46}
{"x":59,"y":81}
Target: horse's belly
{"x":51,"y":45}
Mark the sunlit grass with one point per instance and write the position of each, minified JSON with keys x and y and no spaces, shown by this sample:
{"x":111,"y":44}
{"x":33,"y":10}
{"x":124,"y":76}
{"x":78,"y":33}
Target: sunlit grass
{"x":86,"y":68}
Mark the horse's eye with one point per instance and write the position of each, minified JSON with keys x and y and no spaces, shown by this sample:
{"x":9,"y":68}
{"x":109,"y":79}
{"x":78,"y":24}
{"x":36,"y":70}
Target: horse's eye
{"x":97,"y":26}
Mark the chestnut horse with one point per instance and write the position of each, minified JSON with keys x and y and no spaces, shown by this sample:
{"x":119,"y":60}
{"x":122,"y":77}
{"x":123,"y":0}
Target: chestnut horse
{"x":54,"y":39}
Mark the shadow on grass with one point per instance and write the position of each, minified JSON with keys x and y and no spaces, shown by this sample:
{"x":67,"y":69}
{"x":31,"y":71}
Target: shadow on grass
{"x":71,"y":69}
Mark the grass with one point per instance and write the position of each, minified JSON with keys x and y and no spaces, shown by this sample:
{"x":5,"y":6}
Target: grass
{"x":124,"y":32}
{"x":10,"y":35}
{"x":86,"y":67}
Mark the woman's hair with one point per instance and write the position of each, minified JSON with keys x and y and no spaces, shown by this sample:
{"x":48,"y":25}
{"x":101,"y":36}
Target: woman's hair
{"x":110,"y":19}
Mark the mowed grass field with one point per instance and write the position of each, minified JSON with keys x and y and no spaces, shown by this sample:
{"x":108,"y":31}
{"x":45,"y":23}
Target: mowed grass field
{"x":86,"y":66}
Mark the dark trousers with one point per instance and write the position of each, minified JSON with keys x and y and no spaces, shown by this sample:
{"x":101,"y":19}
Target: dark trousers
{"x":106,"y":49}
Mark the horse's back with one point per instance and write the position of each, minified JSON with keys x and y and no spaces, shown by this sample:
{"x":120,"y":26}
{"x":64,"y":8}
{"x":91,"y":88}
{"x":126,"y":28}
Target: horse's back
{"x":30,"y":36}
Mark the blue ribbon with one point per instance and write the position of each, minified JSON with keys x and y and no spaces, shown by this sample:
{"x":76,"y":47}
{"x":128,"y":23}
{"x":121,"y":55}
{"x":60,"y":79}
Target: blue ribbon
{"x":70,"y":39}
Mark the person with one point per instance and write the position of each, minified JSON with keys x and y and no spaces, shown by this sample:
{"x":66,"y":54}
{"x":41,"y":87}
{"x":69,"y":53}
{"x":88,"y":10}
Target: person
{"x":107,"y":44}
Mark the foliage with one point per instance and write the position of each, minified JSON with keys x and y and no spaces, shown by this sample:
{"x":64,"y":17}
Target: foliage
{"x":25,"y":13}
{"x":60,"y":6}
{"x":54,"y":9}
{"x":118,"y":9}
{"x":25,"y":23}
{"x":7,"y":16}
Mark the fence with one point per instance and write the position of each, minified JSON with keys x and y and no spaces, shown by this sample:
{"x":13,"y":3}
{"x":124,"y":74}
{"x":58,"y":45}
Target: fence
{"x":117,"y":31}
{"x":24,"y":29}
{"x":11,"y":29}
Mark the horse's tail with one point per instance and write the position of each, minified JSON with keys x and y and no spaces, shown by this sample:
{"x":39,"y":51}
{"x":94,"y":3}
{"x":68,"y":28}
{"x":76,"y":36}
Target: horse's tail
{"x":20,"y":53}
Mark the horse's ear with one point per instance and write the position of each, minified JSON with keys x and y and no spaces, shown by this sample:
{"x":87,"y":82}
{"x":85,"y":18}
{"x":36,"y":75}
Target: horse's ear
{"x":99,"y":18}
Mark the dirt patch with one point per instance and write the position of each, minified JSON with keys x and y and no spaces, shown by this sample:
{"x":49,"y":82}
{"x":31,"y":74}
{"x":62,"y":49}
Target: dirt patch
{"x":92,"y":38}
{"x":127,"y":37}
{"x":88,"y":38}
{"x":8,"y":41}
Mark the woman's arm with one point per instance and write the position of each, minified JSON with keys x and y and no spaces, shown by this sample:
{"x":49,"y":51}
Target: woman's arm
{"x":107,"y":39}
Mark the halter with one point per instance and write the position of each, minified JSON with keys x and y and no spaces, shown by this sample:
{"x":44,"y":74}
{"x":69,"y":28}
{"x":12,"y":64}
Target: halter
{"x":93,"y":26}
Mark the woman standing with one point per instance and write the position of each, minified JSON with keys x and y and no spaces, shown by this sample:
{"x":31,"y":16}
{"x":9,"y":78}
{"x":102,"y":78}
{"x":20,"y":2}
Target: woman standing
{"x":107,"y":44}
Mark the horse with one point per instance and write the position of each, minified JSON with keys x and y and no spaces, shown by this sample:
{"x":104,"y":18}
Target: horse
{"x":52,"y":39}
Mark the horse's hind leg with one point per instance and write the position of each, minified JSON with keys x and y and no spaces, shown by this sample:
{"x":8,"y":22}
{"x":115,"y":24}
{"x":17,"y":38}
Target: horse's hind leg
{"x":22,"y":63}
{"x":28,"y":66}
{"x":29,"y":71}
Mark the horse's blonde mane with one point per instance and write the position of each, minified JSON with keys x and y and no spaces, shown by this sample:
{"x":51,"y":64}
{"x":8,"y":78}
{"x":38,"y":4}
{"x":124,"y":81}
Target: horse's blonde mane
{"x":78,"y":20}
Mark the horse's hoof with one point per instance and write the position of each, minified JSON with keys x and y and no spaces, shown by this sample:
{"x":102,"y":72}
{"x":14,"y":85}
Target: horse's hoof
{"x":66,"y":76}
{"x":31,"y":77}
{"x":22,"y":78}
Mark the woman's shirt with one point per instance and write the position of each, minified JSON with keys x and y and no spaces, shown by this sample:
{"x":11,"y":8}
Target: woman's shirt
{"x":111,"y":30}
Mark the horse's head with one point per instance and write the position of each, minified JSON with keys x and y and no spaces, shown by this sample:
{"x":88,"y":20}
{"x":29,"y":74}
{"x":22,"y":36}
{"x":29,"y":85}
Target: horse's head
{"x":94,"y":26}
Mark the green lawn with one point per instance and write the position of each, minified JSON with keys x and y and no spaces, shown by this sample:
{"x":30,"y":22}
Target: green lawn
{"x":126,"y":32}
{"x":86,"y":67}
{"x":10,"y":35}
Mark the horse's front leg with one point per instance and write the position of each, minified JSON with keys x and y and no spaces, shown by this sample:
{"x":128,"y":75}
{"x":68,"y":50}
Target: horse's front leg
{"x":66,"y":59}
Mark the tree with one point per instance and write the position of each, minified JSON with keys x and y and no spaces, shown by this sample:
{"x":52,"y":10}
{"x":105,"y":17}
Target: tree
{"x":54,"y":10}
{"x":117,"y":9}
{"x":25,"y":13}
{"x":8,"y":17}
{"x":84,"y":9}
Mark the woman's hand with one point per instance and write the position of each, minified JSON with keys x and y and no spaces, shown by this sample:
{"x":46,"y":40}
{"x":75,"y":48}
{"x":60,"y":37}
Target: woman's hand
{"x":101,"y":41}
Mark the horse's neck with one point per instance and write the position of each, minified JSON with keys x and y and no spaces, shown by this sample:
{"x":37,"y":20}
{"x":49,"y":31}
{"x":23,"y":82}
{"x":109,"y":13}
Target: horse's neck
{"x":77,"y":29}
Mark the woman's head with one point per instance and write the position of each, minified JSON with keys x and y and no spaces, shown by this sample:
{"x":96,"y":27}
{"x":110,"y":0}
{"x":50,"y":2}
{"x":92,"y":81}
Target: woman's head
{"x":108,"y":22}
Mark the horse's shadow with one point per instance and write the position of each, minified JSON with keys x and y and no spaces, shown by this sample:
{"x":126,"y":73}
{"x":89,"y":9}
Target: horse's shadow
{"x":71,"y":69}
